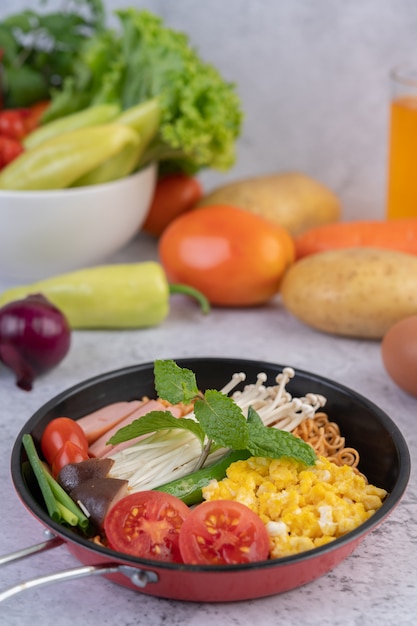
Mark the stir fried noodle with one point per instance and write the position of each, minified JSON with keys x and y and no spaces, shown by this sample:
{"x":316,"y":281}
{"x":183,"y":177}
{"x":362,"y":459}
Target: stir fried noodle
{"x":325,"y":438}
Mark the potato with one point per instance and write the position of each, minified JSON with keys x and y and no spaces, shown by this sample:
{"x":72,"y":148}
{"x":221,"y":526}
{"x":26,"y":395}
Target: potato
{"x":356,"y":292}
{"x":291,"y":199}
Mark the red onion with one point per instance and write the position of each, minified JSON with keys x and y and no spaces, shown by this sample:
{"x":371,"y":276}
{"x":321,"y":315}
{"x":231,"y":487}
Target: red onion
{"x":34,"y":337}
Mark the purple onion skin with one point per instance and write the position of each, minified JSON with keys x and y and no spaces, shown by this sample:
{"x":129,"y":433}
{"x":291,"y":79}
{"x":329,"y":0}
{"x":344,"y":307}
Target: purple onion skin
{"x":34,"y":337}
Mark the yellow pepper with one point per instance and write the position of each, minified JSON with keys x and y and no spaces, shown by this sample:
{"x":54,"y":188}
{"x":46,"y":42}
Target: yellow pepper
{"x":132,"y":295}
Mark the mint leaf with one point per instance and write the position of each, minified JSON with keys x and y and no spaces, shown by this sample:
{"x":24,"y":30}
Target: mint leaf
{"x":152,"y":422}
{"x":274,"y":443}
{"x":173,"y":383}
{"x":219,"y":419}
{"x":222,"y":420}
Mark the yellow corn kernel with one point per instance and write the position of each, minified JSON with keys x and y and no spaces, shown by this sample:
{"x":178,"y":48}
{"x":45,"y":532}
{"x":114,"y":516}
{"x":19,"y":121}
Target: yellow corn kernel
{"x":302,"y":508}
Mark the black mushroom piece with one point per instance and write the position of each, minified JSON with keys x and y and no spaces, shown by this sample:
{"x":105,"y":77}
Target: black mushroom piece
{"x":97,"y":495}
{"x":73,"y":474}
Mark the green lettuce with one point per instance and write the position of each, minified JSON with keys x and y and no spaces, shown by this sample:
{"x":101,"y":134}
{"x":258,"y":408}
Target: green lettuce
{"x":200,"y":112}
{"x":39,"y":49}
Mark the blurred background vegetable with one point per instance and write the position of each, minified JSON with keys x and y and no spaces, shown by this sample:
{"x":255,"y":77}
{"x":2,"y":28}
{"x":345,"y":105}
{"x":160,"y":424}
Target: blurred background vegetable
{"x":34,"y":337}
{"x":15,"y":125}
{"x":356,"y":292}
{"x":39,"y":50}
{"x":399,"y":234}
{"x":200,"y":112}
{"x":399,"y":353}
{"x":235,"y":258}
{"x":290,"y":199}
{"x":187,"y":114}
{"x":62,"y":160}
{"x":125,"y":295}
{"x":174,"y":195}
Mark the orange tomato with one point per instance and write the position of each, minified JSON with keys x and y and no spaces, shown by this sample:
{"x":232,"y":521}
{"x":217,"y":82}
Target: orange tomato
{"x":174,"y":194}
{"x":234,"y":257}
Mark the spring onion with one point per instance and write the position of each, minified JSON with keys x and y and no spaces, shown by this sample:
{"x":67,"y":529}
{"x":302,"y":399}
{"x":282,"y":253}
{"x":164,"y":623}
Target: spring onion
{"x":58,"y":503}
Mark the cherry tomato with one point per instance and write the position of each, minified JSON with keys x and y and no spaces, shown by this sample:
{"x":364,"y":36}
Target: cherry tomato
{"x":223,"y":532}
{"x":68,"y":453}
{"x":174,"y":194}
{"x":234,"y":257}
{"x":57,"y":433}
{"x":147,"y":525}
{"x":11,"y":124}
{"x":32,"y":115}
{"x":9,"y":150}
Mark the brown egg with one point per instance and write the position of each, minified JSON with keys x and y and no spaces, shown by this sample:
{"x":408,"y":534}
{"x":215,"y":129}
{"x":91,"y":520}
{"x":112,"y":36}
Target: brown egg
{"x":399,"y":354}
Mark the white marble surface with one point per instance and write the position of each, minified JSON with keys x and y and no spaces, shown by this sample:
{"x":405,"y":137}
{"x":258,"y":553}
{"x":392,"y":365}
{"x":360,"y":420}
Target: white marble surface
{"x":313,"y":77}
{"x":377,"y":585}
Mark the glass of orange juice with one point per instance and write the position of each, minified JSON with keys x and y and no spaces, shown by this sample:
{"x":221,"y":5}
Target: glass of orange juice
{"x":402,"y":161}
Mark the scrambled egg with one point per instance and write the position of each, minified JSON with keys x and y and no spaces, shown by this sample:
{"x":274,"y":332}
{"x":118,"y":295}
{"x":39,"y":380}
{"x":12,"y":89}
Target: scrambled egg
{"x":302,"y":508}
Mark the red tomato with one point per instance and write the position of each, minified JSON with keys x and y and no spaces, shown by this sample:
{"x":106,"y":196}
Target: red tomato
{"x":174,"y":194}
{"x":57,"y":433}
{"x":68,"y":453}
{"x":147,"y":525}
{"x":11,"y":124}
{"x":223,"y":532}
{"x":9,"y":150}
{"x":234,"y":257}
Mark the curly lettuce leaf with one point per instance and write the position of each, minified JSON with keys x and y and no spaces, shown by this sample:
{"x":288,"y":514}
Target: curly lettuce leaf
{"x":201,"y":114}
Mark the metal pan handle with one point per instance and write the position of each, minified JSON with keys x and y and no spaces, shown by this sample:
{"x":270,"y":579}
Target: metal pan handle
{"x":51,"y":541}
{"x":140,"y":578}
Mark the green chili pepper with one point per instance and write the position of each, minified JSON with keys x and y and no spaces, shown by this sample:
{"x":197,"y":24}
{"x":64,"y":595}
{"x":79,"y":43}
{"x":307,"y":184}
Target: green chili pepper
{"x":58,"y":162}
{"x":131,"y":295}
{"x":189,"y":488}
{"x":92,"y":116}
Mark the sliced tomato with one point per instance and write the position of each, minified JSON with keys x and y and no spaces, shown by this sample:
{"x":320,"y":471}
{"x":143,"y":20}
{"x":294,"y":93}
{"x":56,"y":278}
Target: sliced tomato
{"x":57,"y":433}
{"x":147,"y":525}
{"x":221,"y":532}
{"x":68,"y":453}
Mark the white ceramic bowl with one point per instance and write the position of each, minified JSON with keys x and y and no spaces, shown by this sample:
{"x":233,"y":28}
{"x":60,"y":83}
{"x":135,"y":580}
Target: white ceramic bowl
{"x":43,"y":233}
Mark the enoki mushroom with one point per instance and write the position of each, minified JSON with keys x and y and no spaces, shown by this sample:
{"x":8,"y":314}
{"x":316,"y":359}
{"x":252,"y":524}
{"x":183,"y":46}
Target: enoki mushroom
{"x":275,"y":405}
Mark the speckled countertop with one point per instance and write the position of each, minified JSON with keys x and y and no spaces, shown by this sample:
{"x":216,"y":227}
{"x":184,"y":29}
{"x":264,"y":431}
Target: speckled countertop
{"x":377,"y":584}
